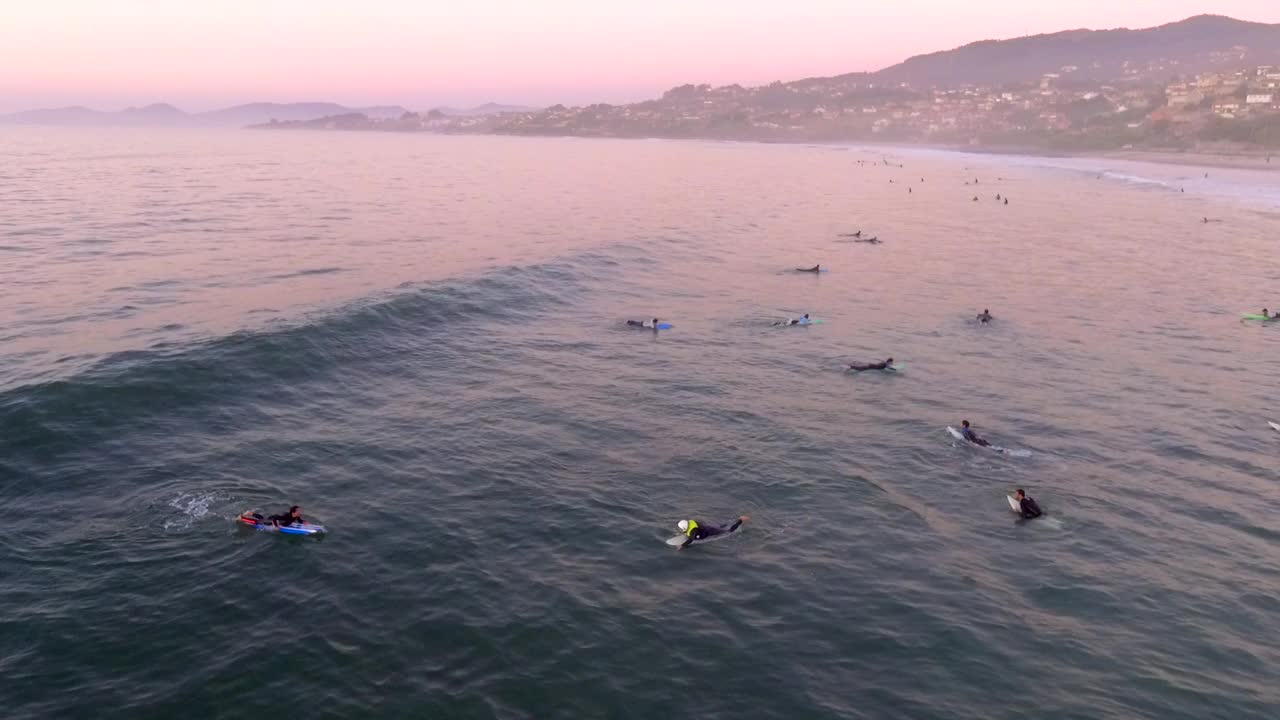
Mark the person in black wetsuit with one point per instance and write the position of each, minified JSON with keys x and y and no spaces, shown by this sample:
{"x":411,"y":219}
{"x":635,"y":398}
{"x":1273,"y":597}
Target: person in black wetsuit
{"x":1030,"y":509}
{"x":814,"y":269}
{"x":643,"y":324}
{"x":985,"y":317}
{"x":292,"y":517}
{"x":695,"y":530}
{"x":970,"y":435}
{"x":859,"y":367}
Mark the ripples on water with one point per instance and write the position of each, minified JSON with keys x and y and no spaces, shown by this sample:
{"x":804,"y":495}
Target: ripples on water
{"x":419,"y":340}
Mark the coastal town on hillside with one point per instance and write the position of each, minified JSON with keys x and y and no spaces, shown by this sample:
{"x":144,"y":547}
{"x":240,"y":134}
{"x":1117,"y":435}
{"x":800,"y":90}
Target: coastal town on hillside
{"x":1063,"y":110}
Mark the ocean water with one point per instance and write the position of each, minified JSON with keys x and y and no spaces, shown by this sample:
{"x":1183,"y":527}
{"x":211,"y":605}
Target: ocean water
{"x":420,"y":340}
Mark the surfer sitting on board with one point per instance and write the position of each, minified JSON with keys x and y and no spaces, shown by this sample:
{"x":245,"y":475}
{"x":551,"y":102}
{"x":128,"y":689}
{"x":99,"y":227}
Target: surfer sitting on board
{"x":1029,"y":507}
{"x":815,"y":268}
{"x":985,"y":317}
{"x":802,"y":321}
{"x":970,"y":435}
{"x":695,"y":530}
{"x":859,"y":367}
{"x":643,"y":324}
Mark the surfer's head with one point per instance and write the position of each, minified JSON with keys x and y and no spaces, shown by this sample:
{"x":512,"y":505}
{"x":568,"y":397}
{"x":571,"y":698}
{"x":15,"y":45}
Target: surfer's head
{"x":1019,"y":494}
{"x":964,"y":423}
{"x":294,"y":510}
{"x":889,"y":361}
{"x":806,"y":316}
{"x":683,"y":525}
{"x":655,"y":321}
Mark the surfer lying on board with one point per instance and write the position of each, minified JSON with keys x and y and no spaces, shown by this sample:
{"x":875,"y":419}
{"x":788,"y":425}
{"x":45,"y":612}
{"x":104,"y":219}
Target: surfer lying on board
{"x":800,"y":321}
{"x":970,"y":435}
{"x":643,"y":324}
{"x":815,"y":268}
{"x":859,"y":367}
{"x":1030,"y":509}
{"x":695,"y":530}
{"x":985,"y":317}
{"x":291,"y":517}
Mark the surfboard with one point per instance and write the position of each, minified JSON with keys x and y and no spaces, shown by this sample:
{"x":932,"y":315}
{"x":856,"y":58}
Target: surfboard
{"x":1274,"y":426}
{"x":1248,"y":316}
{"x":664,"y":326}
{"x":678,"y":540}
{"x":1014,"y":505}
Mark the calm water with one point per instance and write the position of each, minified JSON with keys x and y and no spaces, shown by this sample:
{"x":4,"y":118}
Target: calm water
{"x":418,"y":339}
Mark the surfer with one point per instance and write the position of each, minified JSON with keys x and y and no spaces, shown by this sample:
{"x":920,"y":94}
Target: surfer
{"x":970,"y":435}
{"x":695,"y":530}
{"x":643,"y":324}
{"x":291,"y":517}
{"x":859,"y":367}
{"x":985,"y":317}
{"x":1029,"y":508}
{"x":814,"y":269}
{"x":804,"y":320}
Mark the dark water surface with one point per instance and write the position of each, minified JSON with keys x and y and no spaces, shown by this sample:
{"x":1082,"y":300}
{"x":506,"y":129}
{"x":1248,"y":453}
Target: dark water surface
{"x":418,"y":339}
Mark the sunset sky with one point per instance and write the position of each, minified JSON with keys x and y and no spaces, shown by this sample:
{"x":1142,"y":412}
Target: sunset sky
{"x":422,"y":53}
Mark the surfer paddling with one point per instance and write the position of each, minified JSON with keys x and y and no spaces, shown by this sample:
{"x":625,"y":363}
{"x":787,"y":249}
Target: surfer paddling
{"x":694,"y":530}
{"x":860,"y":367}
{"x":795,"y":321}
{"x":643,"y":324}
{"x":985,"y":317}
{"x":293,"y":516}
{"x":814,"y":269}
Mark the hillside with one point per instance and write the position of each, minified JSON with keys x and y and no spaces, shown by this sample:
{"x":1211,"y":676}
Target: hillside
{"x":1189,"y":46}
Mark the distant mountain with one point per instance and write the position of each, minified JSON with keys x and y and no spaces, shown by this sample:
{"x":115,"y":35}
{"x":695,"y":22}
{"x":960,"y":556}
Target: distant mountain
{"x":1189,"y":46}
{"x":485,"y":109}
{"x":258,"y":113}
{"x":161,"y":114}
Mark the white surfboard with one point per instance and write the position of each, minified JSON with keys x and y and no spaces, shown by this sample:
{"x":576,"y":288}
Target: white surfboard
{"x":1274,"y":426}
{"x":1014,"y":505}
{"x":678,"y":540}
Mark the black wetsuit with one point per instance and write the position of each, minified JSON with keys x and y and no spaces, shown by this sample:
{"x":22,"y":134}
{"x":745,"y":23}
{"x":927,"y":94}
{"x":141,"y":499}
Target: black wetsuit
{"x":639,"y":323}
{"x":871,"y":366}
{"x":702,"y":532}
{"x":1030,"y":509}
{"x":972,"y":437}
{"x":284,"y":519}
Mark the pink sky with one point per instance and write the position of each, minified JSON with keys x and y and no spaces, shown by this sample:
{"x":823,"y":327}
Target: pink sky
{"x":202,"y":54}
